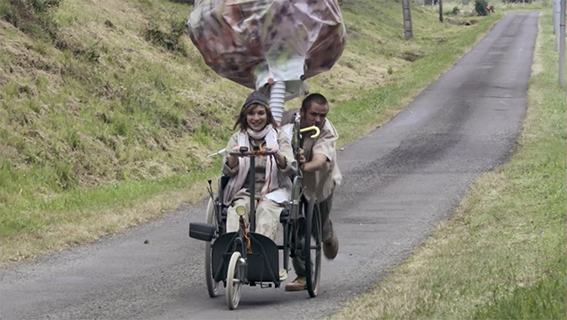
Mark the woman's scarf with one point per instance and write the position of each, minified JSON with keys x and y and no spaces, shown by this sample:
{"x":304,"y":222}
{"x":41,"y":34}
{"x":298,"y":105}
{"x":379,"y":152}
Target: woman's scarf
{"x":235,"y":184}
{"x":257,"y":135}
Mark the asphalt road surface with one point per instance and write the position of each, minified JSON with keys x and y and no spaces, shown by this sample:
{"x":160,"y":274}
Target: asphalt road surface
{"x":399,"y":182}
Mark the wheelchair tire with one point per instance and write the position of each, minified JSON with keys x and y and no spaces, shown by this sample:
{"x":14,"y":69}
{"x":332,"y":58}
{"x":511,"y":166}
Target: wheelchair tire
{"x":312,"y":248}
{"x":233,"y":281}
{"x":212,"y":285}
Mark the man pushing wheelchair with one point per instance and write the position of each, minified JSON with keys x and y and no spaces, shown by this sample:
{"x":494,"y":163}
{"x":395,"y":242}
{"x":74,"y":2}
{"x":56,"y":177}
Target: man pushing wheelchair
{"x":321,"y":174}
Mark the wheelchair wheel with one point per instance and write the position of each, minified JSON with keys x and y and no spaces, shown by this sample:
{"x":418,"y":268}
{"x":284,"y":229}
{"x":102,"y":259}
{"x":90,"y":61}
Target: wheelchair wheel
{"x":212,"y":286}
{"x":233,"y":281}
{"x":312,"y":248}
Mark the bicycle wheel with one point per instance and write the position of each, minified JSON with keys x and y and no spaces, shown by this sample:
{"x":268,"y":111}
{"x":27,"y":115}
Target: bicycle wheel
{"x":312,"y":248}
{"x":212,"y":285}
{"x":233,"y":281}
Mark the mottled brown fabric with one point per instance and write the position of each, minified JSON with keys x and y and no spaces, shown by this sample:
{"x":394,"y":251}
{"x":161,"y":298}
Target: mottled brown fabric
{"x":251,"y":41}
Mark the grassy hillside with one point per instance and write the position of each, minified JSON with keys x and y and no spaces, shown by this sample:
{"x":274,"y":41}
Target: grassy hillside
{"x":108,"y":111}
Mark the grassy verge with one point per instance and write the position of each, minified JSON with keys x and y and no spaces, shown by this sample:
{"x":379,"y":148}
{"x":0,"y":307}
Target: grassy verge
{"x":503,"y":254}
{"x":106,"y":124}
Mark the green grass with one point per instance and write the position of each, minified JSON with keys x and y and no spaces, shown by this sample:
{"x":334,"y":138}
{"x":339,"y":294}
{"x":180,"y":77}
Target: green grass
{"x":544,"y":299}
{"x":73,"y":205}
{"x":503,"y":254}
{"x":102,"y":102}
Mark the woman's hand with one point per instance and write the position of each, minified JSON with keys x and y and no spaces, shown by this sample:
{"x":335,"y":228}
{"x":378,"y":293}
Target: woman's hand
{"x":271,"y":149}
{"x":280,"y":159}
{"x":232,"y":161}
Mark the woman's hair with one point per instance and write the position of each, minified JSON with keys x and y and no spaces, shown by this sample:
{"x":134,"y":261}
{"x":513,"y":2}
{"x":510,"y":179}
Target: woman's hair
{"x":241,"y":121}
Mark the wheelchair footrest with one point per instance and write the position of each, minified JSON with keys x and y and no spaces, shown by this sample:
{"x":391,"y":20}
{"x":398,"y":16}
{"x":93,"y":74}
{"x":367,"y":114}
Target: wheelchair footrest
{"x":201,"y":231}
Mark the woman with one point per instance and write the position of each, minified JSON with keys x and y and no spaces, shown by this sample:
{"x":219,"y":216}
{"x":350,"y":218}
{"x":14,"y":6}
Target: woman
{"x":273,"y":185}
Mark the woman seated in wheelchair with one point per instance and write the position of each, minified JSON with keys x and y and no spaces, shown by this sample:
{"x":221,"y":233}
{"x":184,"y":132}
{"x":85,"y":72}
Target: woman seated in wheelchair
{"x":257,"y":128}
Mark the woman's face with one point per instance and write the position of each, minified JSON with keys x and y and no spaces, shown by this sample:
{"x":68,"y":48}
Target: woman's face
{"x":257,"y":118}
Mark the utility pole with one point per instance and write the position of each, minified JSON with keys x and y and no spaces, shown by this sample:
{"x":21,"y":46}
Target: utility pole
{"x":408,"y":30}
{"x":556,"y":12}
{"x":562,"y":45}
{"x":440,"y":10}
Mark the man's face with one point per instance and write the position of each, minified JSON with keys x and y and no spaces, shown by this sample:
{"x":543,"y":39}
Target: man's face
{"x":316,"y":115}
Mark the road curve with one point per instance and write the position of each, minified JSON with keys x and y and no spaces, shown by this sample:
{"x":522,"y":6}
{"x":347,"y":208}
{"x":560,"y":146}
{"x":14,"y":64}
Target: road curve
{"x":399,"y":182}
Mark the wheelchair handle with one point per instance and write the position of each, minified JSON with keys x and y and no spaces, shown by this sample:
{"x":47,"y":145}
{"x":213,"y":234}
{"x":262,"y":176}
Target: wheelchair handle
{"x":253,"y":153}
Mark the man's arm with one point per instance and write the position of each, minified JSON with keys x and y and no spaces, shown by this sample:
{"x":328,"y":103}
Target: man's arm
{"x":323,"y":151}
{"x":318,"y":161}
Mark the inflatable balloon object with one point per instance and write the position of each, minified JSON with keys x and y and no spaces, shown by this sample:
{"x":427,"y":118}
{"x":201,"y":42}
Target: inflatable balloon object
{"x":269,"y":45}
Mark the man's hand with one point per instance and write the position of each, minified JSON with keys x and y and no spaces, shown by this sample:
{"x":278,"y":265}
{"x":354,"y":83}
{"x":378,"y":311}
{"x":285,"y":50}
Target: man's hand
{"x":301,"y":156}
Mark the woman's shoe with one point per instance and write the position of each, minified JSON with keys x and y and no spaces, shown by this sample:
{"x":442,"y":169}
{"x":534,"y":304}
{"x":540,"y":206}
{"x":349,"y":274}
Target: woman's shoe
{"x":283,"y":274}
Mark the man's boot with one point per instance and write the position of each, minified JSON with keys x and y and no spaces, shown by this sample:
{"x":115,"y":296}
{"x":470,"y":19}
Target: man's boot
{"x":331,"y":247}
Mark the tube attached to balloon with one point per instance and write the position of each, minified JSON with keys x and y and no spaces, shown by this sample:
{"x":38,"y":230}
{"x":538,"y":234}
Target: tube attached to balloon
{"x":277,"y":99}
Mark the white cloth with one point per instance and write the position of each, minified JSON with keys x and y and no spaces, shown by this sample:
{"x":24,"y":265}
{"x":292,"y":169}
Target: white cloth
{"x":267,"y":217}
{"x":288,"y":129}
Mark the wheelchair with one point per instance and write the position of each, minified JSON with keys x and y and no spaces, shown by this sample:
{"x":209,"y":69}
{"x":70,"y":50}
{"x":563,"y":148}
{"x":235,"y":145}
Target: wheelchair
{"x":248,"y":258}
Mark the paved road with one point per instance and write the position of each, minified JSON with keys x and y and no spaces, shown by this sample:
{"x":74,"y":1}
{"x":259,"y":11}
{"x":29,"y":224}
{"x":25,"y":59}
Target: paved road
{"x":400,"y":181}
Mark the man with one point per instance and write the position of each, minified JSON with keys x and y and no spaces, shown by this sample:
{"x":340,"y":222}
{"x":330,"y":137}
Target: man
{"x":320,"y":171}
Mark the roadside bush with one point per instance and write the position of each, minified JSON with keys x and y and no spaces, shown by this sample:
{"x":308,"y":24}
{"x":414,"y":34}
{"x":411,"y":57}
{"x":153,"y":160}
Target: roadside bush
{"x":453,"y":12}
{"x":480,"y":7}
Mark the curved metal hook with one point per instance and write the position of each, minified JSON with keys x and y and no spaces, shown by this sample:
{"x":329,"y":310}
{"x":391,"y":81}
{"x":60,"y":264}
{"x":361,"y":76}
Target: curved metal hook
{"x":315,"y":128}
